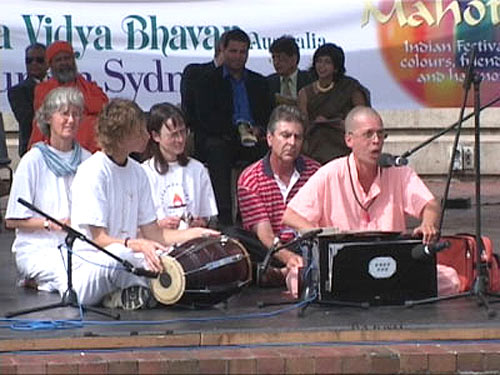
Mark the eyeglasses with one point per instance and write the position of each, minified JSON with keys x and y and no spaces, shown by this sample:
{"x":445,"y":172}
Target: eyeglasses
{"x":39,"y":60}
{"x":67,"y":114}
{"x":368,"y":134}
{"x":179,"y":133}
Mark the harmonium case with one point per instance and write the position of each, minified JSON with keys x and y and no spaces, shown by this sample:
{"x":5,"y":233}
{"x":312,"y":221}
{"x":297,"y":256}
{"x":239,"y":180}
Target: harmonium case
{"x":373,"y":267}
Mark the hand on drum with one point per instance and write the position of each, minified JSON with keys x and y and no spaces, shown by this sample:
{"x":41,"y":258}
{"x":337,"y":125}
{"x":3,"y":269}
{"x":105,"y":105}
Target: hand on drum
{"x":203,"y":232}
{"x":150,"y":250}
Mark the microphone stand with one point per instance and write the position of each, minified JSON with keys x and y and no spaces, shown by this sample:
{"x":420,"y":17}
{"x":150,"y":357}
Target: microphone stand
{"x":462,"y":119}
{"x":480,"y":286}
{"x":262,"y":267}
{"x":308,"y":281}
{"x":69,"y":297}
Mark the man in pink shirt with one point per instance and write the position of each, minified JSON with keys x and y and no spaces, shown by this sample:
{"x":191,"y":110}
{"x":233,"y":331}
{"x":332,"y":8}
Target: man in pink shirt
{"x":354,"y":193}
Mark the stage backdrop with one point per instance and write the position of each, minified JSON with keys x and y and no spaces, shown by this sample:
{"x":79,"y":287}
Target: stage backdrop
{"x":410,"y":54}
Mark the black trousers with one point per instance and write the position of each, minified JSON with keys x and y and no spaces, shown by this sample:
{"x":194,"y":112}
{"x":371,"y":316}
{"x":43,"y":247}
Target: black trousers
{"x":221,"y":155}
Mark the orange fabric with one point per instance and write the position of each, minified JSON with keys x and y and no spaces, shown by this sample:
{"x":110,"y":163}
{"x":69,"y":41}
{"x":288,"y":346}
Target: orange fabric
{"x":94,"y":98}
{"x":57,"y":47}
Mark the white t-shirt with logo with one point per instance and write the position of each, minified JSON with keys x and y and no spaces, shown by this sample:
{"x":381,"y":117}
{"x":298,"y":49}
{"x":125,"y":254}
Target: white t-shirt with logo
{"x":181,"y":190}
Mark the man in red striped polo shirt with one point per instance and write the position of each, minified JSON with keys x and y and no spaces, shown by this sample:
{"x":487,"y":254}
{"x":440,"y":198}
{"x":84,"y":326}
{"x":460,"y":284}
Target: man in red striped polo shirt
{"x":266,"y":187}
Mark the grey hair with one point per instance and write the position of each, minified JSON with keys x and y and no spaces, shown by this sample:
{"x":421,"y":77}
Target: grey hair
{"x":287,"y":113}
{"x":354,"y":114}
{"x":58,"y":99}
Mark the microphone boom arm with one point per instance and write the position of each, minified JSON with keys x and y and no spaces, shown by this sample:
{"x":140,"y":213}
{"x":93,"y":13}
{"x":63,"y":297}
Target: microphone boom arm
{"x":446,"y":130}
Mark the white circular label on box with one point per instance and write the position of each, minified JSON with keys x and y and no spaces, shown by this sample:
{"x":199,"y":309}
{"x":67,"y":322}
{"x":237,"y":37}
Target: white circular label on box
{"x":382,"y":267}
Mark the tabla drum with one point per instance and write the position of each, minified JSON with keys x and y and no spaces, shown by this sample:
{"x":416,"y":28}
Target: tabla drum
{"x":203,"y":272}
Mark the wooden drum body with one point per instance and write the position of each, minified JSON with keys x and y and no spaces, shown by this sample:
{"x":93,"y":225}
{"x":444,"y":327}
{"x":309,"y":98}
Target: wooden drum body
{"x":202,"y":272}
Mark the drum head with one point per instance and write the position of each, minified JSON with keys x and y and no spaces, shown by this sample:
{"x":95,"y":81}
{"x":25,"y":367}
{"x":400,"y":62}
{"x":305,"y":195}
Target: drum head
{"x":169,"y":287}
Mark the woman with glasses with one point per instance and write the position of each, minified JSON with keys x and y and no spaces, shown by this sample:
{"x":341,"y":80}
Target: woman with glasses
{"x":43,"y":178}
{"x":327,"y":101}
{"x":181,"y":187}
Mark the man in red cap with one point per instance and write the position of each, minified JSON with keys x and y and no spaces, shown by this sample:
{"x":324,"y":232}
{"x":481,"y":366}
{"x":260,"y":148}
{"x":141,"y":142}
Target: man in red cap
{"x":61,"y":59}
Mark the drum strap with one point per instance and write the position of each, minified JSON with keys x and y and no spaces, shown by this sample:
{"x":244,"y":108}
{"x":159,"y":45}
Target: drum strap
{"x":198,"y":247}
{"x":217,"y":264}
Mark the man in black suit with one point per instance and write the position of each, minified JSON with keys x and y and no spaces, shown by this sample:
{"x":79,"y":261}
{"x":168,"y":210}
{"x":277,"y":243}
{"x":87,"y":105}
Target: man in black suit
{"x":21,"y":96}
{"x":288,"y":79}
{"x":191,"y":79}
{"x":230,"y":99}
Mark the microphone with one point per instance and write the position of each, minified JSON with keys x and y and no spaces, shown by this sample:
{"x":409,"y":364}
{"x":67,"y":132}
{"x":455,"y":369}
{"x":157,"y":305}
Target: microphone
{"x":427,"y":251}
{"x":387,"y":160}
{"x":310,"y":234}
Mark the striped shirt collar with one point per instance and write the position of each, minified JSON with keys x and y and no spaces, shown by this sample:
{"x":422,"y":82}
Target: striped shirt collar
{"x":300,"y":165}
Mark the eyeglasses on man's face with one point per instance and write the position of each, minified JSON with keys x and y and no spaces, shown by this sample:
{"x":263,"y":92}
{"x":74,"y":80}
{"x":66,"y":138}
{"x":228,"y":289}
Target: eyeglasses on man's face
{"x":370,"y":133}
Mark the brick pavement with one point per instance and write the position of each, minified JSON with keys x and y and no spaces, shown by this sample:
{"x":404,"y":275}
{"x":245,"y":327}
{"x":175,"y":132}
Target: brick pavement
{"x":446,"y":358}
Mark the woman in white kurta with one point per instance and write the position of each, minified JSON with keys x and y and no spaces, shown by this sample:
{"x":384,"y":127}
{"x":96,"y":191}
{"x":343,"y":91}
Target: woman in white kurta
{"x":181,"y":187}
{"x":43,"y":178}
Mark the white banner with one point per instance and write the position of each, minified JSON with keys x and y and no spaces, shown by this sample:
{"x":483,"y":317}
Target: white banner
{"x":410,"y":54}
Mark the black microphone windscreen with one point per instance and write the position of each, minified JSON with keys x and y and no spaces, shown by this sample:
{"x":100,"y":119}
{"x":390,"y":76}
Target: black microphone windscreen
{"x":422,"y":251}
{"x":419,"y":252}
{"x":310,"y":234}
{"x":385,"y":160}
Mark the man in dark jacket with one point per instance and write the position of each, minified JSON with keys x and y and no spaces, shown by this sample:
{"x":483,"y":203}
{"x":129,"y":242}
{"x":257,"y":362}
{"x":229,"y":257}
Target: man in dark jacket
{"x":288,"y":79}
{"x":233,"y":103}
{"x":21,"y":96}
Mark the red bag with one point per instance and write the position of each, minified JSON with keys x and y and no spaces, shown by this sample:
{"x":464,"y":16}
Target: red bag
{"x":462,"y":255}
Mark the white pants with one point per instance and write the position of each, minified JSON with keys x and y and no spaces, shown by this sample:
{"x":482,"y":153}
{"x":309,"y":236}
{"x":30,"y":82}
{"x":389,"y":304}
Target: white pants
{"x":104,"y":275}
{"x":44,"y":265}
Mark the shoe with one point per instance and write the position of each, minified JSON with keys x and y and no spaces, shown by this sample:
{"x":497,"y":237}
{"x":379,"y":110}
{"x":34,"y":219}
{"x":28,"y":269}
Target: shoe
{"x":28,"y":283}
{"x":248,"y":139}
{"x":132,"y":298}
{"x":273,"y":278}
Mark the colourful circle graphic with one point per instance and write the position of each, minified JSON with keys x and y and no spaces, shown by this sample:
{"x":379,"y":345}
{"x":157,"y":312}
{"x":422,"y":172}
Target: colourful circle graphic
{"x":427,"y":46}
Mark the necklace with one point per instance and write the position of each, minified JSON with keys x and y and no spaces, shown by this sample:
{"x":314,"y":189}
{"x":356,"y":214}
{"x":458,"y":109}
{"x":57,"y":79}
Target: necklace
{"x":324,"y":89}
{"x":365,"y":215}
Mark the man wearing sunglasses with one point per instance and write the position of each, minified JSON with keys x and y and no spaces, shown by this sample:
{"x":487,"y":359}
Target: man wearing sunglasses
{"x":61,"y":58}
{"x":21,"y":96}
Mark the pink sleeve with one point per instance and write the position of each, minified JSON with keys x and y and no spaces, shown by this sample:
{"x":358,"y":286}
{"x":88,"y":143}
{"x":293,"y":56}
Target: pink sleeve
{"x":309,"y":200}
{"x":416,"y":195}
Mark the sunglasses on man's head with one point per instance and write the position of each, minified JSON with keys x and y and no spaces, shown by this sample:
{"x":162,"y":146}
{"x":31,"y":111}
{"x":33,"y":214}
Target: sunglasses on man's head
{"x":39,"y":60}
